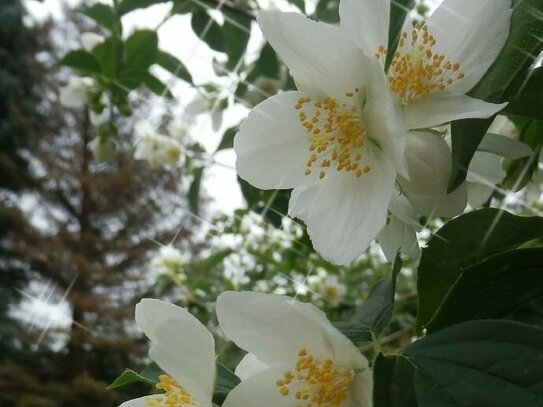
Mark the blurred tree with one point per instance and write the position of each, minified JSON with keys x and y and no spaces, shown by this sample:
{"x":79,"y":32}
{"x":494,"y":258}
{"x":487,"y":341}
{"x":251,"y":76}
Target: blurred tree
{"x":80,"y":230}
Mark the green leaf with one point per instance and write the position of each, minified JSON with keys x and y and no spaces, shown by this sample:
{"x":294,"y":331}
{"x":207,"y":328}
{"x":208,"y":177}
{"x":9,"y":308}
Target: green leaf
{"x":141,"y":49}
{"x":82,"y":61}
{"x":228,"y":138}
{"x":327,"y":10}
{"x":506,"y":286}
{"x":126,"y":6}
{"x":102,"y":14}
{"x":110,"y":55}
{"x":393,"y":382}
{"x":156,"y":86}
{"x":194,"y":191}
{"x":479,"y":363}
{"x":462,"y":242}
{"x":298,"y":3}
{"x":149,"y":374}
{"x":375,"y":313}
{"x":236,"y":31}
{"x":226,"y":380}
{"x":173,"y":65}
{"x":527,"y":103}
{"x":505,"y":78}
{"x":208,"y":30}
{"x":398,"y":12}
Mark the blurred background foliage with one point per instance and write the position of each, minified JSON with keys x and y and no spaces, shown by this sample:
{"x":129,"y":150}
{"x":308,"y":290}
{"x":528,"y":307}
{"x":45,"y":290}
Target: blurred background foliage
{"x":81,"y":237}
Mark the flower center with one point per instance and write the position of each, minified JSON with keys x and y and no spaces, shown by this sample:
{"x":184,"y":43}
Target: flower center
{"x":337,"y":134}
{"x":176,"y":396}
{"x":416,"y":69}
{"x":315,"y":383}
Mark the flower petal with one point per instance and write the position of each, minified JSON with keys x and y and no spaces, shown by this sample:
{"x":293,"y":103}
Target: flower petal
{"x":478,"y":194}
{"x":362,"y":390}
{"x":439,"y":108}
{"x":320,"y":56}
{"x":182,"y":346}
{"x":366,"y":23}
{"x":472,"y":33}
{"x":158,"y":400}
{"x":344,"y":213}
{"x":275,"y":327}
{"x":272,"y":147}
{"x":504,"y":146}
{"x":249,"y":366}
{"x":486,"y":169}
{"x":259,"y":390}
{"x":446,"y":205}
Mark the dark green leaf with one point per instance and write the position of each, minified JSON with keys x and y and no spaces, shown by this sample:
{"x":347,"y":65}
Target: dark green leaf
{"x":110,"y":55}
{"x":236,"y":31}
{"x":173,"y":65}
{"x":126,"y":6}
{"x":82,"y":61}
{"x":182,"y":6}
{"x":327,"y":10}
{"x":508,"y":285}
{"x":462,"y":242}
{"x":398,"y":11}
{"x":226,"y":380}
{"x":194,"y":191}
{"x":527,"y":103}
{"x":298,"y":3}
{"x":132,"y":77}
{"x":102,"y":14}
{"x":375,"y":313}
{"x":480,"y":363}
{"x":208,"y":30}
{"x":128,"y":376}
{"x":141,"y":49}
{"x":156,"y":86}
{"x":506,"y":77}
{"x":152,"y":372}
{"x":393,"y":384}
{"x":228,"y":138}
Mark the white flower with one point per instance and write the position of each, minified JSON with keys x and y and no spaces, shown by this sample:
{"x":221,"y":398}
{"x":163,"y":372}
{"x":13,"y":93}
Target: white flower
{"x":400,"y":232}
{"x":89,"y":40}
{"x":74,"y":94}
{"x":299,"y":357}
{"x":332,"y":290}
{"x":183,"y":348}
{"x":177,"y":129}
{"x":429,"y":161}
{"x":436,"y":62}
{"x":263,"y":88}
{"x":159,"y":150}
{"x":338,"y":140}
{"x":102,"y":148}
{"x":170,"y":261}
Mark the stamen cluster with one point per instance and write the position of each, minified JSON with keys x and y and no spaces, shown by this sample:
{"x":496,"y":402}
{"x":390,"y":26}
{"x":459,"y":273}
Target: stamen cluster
{"x":176,"y":395}
{"x":416,"y":69}
{"x":336,"y":134}
{"x":315,"y":383}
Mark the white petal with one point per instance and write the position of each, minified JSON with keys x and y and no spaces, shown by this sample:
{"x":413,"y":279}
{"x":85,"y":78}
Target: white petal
{"x":486,"y":169}
{"x":73,"y":95}
{"x":440,"y":108}
{"x":429,"y":162}
{"x":320,"y":56}
{"x":504,"y":146}
{"x":260,"y":390}
{"x":472,"y":33}
{"x":344,"y":213}
{"x":440,"y":204}
{"x":186,"y":351}
{"x":366,"y":23}
{"x":182,"y":346}
{"x":362,"y":390}
{"x":272,"y":147}
{"x":478,"y":194}
{"x":275,"y":327}
{"x":159,"y":399}
{"x":249,"y":366}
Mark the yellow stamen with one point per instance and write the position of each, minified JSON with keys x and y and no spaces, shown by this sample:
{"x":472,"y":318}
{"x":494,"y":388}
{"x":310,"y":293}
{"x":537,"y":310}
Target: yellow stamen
{"x":176,"y":396}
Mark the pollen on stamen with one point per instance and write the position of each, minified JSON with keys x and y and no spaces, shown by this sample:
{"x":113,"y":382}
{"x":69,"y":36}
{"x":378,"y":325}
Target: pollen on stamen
{"x":175,"y":394}
{"x":336,"y":133}
{"x":316,"y":383}
{"x":416,"y":69}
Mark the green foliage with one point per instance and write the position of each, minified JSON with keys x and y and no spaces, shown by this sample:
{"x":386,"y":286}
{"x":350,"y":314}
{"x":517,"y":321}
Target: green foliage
{"x":103,"y":14}
{"x":505,"y":286}
{"x":173,"y":65}
{"x":527,"y":103}
{"x":505,"y":79}
{"x":452,"y":249}
{"x":394,"y":382}
{"x":81,"y":60}
{"x":208,"y":30}
{"x":126,"y":6}
{"x":141,"y":49}
{"x":194,"y":191}
{"x":226,"y":381}
{"x":479,"y":363}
